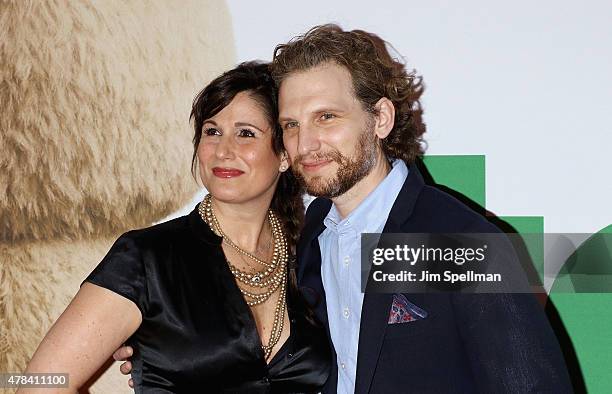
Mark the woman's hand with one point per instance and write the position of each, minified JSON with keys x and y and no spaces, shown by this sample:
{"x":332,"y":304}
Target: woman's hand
{"x":96,"y":322}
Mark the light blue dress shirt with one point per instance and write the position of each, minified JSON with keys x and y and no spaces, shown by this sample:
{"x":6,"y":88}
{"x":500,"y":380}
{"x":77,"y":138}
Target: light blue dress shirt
{"x":340,"y":246}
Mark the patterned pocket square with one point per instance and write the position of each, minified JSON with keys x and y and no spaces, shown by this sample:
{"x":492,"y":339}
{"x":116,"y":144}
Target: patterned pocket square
{"x":404,"y":311}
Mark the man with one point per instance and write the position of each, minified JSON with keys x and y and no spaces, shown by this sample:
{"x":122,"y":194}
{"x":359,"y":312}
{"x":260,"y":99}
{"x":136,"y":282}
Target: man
{"x":352,"y":127}
{"x":347,"y":109}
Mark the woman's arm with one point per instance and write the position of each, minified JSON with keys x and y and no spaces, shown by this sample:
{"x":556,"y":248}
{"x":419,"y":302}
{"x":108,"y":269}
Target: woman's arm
{"x":96,"y":322}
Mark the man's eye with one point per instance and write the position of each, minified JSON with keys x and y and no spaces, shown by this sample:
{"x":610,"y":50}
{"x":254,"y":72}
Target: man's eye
{"x":246,"y":133}
{"x":327,"y":115}
{"x":290,"y":125}
{"x":211,"y":131}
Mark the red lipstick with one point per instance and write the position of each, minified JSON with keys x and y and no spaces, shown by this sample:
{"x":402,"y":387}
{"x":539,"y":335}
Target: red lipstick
{"x":226,"y":172}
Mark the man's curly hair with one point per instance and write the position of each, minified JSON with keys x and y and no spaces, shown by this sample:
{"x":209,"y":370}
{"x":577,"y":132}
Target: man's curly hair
{"x":374,"y":72}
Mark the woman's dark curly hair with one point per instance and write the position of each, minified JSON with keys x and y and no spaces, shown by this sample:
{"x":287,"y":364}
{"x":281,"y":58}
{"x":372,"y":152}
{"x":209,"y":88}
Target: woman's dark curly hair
{"x":375,"y":74}
{"x":254,"y":78}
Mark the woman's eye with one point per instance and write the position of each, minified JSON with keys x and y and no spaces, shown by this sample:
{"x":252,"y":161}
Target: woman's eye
{"x":211,"y":131}
{"x":327,"y":115}
{"x":246,"y":133}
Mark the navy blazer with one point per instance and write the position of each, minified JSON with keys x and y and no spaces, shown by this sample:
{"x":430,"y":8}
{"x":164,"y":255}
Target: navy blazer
{"x":468,"y":342}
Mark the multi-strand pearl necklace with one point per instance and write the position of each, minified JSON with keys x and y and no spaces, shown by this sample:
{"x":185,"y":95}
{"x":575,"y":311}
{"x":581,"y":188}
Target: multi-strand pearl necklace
{"x":271,"y":278}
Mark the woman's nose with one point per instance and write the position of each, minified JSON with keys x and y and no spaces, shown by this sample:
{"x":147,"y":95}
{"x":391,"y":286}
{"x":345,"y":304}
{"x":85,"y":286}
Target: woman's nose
{"x":225,"y":148}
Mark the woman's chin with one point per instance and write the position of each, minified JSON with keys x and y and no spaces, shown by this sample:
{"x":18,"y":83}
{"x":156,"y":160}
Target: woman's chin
{"x":228,"y":194}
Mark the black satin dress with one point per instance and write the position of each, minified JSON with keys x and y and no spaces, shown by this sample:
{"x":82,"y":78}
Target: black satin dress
{"x":197,"y":333}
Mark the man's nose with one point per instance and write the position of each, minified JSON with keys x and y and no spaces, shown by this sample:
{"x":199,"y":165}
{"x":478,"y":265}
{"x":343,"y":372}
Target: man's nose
{"x":308,"y":140}
{"x":225,"y":147}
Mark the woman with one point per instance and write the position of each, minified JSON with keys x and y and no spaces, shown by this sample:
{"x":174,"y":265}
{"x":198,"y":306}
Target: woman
{"x":208,"y":301}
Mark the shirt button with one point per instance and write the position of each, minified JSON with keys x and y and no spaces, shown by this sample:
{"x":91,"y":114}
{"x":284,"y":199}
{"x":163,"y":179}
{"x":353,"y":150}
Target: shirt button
{"x":347,"y":260}
{"x":346,"y":312}
{"x":265,"y":380}
{"x":342,"y":365}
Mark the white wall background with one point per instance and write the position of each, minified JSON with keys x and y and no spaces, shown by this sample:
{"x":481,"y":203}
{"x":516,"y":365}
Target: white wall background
{"x":528,"y":84}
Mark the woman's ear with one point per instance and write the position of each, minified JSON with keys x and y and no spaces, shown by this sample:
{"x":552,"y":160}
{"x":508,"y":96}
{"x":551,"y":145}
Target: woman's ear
{"x":284,"y":164}
{"x":385,"y":117}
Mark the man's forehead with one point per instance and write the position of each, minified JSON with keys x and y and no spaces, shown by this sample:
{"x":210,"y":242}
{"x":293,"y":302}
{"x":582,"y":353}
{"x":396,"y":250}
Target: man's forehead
{"x":320,"y":85}
{"x":318,"y":76}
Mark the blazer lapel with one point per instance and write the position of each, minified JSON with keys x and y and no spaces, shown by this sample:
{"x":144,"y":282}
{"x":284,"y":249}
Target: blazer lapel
{"x":310,"y":281}
{"x":375,"y":310}
{"x":309,"y":276}
{"x":374,"y":317}
{"x":309,"y":259}
{"x":374,"y":322}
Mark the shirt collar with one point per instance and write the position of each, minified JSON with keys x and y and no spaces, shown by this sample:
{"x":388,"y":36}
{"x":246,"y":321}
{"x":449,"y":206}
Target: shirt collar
{"x":371,"y":215}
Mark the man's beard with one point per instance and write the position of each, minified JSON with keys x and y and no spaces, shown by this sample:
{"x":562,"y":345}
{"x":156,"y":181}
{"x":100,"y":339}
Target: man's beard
{"x":350,"y":170}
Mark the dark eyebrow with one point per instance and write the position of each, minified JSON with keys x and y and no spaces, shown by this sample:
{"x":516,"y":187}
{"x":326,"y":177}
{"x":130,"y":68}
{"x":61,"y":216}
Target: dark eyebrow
{"x":239,"y":124}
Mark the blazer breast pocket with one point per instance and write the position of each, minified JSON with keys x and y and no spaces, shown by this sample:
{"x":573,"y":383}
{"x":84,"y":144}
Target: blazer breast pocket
{"x":411,"y":329}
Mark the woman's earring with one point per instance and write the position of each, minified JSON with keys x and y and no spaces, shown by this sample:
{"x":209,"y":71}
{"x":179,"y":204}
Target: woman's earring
{"x":283,"y":167}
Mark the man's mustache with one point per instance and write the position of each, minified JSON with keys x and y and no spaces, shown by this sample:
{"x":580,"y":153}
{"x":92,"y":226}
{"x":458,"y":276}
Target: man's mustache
{"x":323,"y":156}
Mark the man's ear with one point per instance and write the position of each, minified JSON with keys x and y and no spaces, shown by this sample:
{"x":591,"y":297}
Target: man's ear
{"x":284,"y":163}
{"x":384,"y":118}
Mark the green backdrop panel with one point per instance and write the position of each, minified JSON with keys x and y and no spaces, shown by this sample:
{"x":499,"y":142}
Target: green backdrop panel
{"x":586,"y":317}
{"x":588,"y":321}
{"x":462,"y":173}
{"x":533,"y":229}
